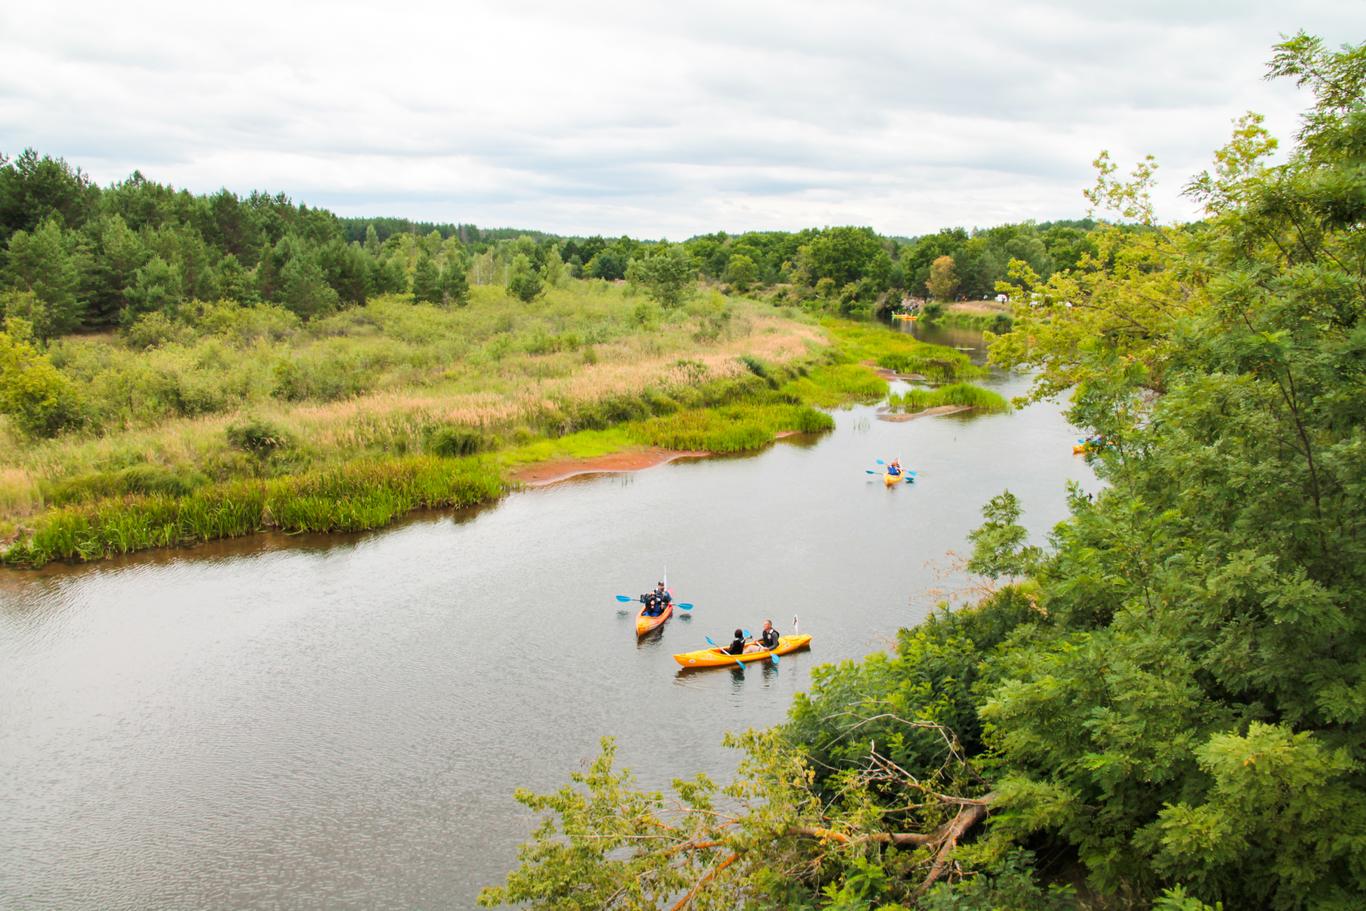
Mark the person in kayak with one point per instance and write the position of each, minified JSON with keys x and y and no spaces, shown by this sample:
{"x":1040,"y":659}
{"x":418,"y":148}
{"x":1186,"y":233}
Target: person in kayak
{"x":769,"y":637}
{"x":656,"y":601}
{"x":737,"y":646}
{"x":894,"y":468}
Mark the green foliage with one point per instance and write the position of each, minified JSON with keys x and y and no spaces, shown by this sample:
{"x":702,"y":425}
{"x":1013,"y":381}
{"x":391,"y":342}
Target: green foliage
{"x":427,"y":281}
{"x":453,"y":441}
{"x":46,"y":265}
{"x":667,"y":274}
{"x":998,"y":545}
{"x":258,"y":437}
{"x":356,"y":497}
{"x":741,"y":272}
{"x":961,"y":394}
{"x":524,"y":282}
{"x":1172,"y":709}
{"x":38,"y":399}
{"x":943,"y":280}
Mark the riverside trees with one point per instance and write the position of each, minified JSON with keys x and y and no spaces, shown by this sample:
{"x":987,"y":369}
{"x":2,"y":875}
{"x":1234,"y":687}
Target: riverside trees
{"x":1172,"y":710}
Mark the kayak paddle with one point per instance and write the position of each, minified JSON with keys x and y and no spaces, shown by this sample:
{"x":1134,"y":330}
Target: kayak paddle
{"x":684,"y":605}
{"x":724,"y":652}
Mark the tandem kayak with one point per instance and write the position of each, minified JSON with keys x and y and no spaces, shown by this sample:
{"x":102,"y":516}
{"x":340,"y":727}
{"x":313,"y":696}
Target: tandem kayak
{"x":715,"y":657}
{"x":645,"y":623}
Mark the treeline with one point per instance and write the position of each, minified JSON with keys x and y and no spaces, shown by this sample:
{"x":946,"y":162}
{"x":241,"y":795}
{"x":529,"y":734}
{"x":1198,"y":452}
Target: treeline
{"x":77,"y":256}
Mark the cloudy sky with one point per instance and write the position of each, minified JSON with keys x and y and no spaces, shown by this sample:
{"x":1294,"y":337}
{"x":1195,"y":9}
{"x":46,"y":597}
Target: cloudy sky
{"x":653,"y":119}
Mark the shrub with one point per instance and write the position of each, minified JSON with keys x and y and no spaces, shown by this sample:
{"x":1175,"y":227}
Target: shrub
{"x":258,"y":437}
{"x":452,"y":440}
{"x":38,"y":398}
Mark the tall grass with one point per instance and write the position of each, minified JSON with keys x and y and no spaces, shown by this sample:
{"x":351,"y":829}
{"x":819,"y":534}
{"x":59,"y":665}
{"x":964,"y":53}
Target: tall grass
{"x":963,"y":394}
{"x":239,"y":419}
{"x":355,"y":497}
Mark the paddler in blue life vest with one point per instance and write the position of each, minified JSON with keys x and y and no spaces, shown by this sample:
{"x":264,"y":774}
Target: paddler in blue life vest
{"x":656,"y":601}
{"x":894,"y":468}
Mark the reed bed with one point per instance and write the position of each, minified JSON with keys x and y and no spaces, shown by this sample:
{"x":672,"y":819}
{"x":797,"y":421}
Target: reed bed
{"x":962,"y":394}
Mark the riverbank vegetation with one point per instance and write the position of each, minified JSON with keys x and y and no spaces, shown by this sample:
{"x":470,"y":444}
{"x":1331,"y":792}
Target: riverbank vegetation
{"x":1165,"y":708}
{"x":963,"y":395}
{"x":222,"y":419}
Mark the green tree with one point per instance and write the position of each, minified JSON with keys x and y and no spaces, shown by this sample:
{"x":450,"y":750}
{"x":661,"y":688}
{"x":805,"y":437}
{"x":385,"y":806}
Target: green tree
{"x":668,"y":274}
{"x":46,"y":264}
{"x":156,"y":286}
{"x":524,"y":281}
{"x":999,"y":547}
{"x":304,"y":290}
{"x":942,"y":281}
{"x":741,"y":272}
{"x":842,"y":255}
{"x":426,"y":280}
{"x":455,"y":286}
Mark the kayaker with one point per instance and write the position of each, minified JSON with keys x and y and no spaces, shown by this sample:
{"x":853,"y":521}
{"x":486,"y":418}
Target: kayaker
{"x":769,"y":637}
{"x":656,"y":601}
{"x":737,"y":646}
{"x":894,"y":468}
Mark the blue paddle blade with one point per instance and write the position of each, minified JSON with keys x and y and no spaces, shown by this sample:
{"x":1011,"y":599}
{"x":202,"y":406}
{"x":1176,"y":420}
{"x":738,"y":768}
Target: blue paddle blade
{"x":710,"y":642}
{"x":774,"y":656}
{"x":870,"y":471}
{"x":684,"y":606}
{"x":879,"y":461}
{"x":624,"y":598}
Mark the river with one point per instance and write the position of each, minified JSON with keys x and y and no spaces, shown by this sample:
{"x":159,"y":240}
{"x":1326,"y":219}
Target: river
{"x":340,"y":722}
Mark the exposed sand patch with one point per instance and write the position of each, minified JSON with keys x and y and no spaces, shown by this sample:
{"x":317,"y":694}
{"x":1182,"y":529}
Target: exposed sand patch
{"x":896,"y":417}
{"x":543,"y":473}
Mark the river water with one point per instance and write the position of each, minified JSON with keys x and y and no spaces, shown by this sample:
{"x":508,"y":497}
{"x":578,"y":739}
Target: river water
{"x":340,"y":722}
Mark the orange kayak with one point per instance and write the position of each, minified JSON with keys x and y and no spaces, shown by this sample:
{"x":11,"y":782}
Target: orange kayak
{"x":715,"y":657}
{"x":644,"y":623}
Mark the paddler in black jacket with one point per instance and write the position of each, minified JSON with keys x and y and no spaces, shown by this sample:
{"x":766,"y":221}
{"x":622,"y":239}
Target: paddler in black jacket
{"x":656,"y":601}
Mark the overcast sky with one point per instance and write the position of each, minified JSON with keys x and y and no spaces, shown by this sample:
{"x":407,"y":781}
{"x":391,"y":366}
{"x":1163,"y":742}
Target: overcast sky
{"x":651,"y":119}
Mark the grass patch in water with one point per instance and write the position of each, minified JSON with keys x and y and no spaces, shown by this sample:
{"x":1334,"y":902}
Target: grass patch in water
{"x":734,"y":428}
{"x":964,"y":394}
{"x":832,"y":385}
{"x":355,"y":497}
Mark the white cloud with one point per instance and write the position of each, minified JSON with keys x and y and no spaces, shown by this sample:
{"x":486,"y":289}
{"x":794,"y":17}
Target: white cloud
{"x":649,"y":118}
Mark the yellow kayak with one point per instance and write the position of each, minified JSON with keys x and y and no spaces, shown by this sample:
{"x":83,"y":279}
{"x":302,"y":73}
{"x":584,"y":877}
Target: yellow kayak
{"x":645,"y":623}
{"x":715,"y":657}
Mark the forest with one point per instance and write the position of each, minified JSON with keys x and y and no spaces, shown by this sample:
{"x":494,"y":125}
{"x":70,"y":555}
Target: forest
{"x":75,"y":256}
{"x":1165,"y":706}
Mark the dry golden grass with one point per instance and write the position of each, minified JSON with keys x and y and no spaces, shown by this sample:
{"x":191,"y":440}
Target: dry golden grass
{"x":516,"y":389}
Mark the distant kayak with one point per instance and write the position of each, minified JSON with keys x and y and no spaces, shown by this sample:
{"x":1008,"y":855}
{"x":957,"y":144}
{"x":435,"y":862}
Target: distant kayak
{"x":645,"y":623}
{"x":715,"y":657}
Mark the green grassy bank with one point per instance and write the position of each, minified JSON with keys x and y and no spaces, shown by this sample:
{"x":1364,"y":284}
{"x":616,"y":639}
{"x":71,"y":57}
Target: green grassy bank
{"x":432,"y":429}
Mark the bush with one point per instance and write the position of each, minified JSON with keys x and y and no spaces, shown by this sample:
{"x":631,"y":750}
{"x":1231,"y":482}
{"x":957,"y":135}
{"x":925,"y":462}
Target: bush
{"x":258,"y":437}
{"x":38,"y":398}
{"x":153,"y":329}
{"x":452,"y":440}
{"x":138,"y":479}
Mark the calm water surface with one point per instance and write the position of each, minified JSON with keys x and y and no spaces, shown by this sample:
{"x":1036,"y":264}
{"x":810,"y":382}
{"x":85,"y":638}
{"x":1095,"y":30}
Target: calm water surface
{"x":340,"y":722}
